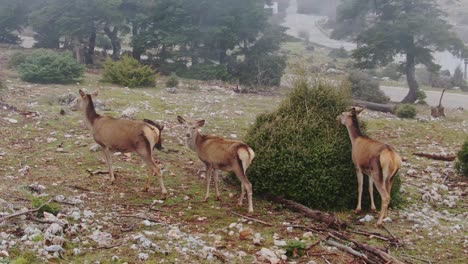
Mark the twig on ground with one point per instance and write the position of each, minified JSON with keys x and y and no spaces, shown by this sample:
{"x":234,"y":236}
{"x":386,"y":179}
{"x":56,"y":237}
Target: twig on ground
{"x":326,"y":260}
{"x":421,"y":259}
{"x":47,"y":221}
{"x":112,"y":246}
{"x":142,"y":218}
{"x":435,"y":156}
{"x":252,"y":219}
{"x":25,"y":212}
{"x":219,"y":256}
{"x":92,"y":173}
{"x":127,"y":229}
{"x":370,"y":235}
{"x":393,"y":236}
{"x":311,"y":229}
{"x":346,"y":249}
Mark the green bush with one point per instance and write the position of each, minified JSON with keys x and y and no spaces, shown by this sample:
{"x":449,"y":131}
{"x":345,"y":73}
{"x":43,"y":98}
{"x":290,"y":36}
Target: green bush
{"x":264,"y":70}
{"x":172,"y":81}
{"x":44,"y":66}
{"x":17,"y":59}
{"x":462,"y":162}
{"x":363,"y":87}
{"x":53,"y":208}
{"x":303,"y":154}
{"x":204,"y":72}
{"x":128,"y":72}
{"x":341,"y":53}
{"x":406,"y":111}
{"x":295,"y":248}
{"x":392,"y":71}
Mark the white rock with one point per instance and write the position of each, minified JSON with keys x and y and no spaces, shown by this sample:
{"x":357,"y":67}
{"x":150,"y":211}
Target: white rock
{"x":4,"y":253}
{"x":238,"y":112}
{"x":279,"y":243}
{"x":174,"y":233}
{"x":148,"y":223}
{"x":269,"y":255}
{"x":387,"y":220}
{"x":366,"y":218}
{"x":11,"y":120}
{"x":88,"y":214}
{"x":308,"y":235}
{"x":143,"y":256}
{"x":76,"y":251}
{"x":75,"y":215}
{"x":102,"y":238}
{"x":95,"y":148}
{"x":54,"y":248}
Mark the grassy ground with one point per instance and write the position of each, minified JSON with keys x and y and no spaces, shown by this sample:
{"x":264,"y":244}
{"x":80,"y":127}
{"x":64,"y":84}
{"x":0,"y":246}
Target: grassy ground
{"x":56,"y":149}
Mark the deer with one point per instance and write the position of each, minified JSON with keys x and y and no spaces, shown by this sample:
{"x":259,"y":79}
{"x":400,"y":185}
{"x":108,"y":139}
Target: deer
{"x":124,"y":135}
{"x":376,"y":159}
{"x":218,"y":153}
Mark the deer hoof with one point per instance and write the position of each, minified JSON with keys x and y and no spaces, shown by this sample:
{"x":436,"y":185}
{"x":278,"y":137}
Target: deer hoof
{"x":379,"y":224}
{"x":205,"y":200}
{"x":374,"y":209}
{"x":218,"y":198}
{"x":357,"y":211}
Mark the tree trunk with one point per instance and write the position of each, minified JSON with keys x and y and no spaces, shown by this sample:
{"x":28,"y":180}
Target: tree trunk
{"x":115,"y":41}
{"x":76,"y":49}
{"x":136,"y":49}
{"x":91,"y":45}
{"x":413,"y":85}
{"x":386,"y":108}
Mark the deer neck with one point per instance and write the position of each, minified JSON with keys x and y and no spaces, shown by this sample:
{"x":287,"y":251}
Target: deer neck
{"x":90,"y":114}
{"x":195,"y":140}
{"x":353,"y":130}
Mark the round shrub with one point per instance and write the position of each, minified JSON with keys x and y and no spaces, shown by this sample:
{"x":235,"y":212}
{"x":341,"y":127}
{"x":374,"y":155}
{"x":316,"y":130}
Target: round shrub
{"x":462,"y":162}
{"x":128,"y":72}
{"x":406,"y":111}
{"x":172,"y":81}
{"x":363,"y":87}
{"x":303,"y":154}
{"x":17,"y":59}
{"x":44,"y":66}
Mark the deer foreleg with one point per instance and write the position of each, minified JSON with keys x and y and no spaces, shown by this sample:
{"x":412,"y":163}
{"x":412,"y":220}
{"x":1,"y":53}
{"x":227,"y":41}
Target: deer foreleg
{"x":108,"y":156}
{"x":359,"y":179}
{"x":216,"y":174}
{"x":371,"y":193}
{"x":209,"y":171}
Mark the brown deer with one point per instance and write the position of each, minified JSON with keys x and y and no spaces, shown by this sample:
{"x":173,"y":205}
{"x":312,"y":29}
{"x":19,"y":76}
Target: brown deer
{"x":376,"y":159}
{"x":125,"y":136}
{"x":220,"y":154}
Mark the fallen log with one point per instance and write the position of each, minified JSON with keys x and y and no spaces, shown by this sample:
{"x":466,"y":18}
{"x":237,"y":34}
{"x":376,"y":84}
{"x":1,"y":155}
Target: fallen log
{"x":329,"y":219}
{"x":435,"y":156}
{"x":386,"y":108}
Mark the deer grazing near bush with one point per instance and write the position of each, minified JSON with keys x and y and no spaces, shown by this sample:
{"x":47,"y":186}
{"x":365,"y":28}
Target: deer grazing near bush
{"x":376,"y":159}
{"x":220,"y":154}
{"x":123,"y":135}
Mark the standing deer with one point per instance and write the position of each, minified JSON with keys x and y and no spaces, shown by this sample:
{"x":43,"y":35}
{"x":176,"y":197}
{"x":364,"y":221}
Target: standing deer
{"x":125,"y":136}
{"x":222,"y":154}
{"x":376,"y":159}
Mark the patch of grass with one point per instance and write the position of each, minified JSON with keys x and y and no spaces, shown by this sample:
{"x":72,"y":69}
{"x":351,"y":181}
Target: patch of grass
{"x":53,"y":208}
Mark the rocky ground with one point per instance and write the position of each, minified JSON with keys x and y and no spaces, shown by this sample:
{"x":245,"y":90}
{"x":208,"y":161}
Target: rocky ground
{"x":47,"y":155}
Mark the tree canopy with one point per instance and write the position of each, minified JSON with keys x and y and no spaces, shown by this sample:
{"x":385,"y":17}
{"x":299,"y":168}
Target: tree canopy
{"x":384,"y":29}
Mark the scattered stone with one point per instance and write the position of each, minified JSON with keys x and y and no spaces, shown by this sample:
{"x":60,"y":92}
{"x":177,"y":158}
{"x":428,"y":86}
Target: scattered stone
{"x":279,"y":243}
{"x":95,"y":148}
{"x":11,"y":120}
{"x":366,"y":218}
{"x":245,"y":233}
{"x":143,"y":256}
{"x":54,"y":248}
{"x":102,"y":238}
{"x":267,"y":254}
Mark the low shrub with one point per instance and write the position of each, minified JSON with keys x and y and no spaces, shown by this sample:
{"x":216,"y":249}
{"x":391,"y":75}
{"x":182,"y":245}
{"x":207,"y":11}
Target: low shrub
{"x":295,"y":248}
{"x":365,"y":88}
{"x":392,"y":71}
{"x":264,"y":70}
{"x":341,"y":53}
{"x":44,"y":66}
{"x":204,"y":72}
{"x":406,"y":111}
{"x":301,"y":152}
{"x":17,"y":59}
{"x":53,"y":208}
{"x":172,"y":81}
{"x":128,"y":72}
{"x":462,"y":161}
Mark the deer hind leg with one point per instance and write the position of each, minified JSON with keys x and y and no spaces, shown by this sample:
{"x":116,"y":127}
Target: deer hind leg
{"x":242,"y":195}
{"x":245,"y":184}
{"x":209,"y":172}
{"x":384,"y":195}
{"x":153,"y":168}
{"x":360,"y":177}
{"x":371,"y":193}
{"x":216,"y":178}
{"x":108,"y":156}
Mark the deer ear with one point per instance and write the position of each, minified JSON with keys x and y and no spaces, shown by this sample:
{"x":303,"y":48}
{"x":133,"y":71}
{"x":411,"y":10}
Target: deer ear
{"x":181,"y":120}
{"x":95,"y":93}
{"x":353,"y":111}
{"x":161,"y":127}
{"x":200,"y":123}
{"x":358,"y":110}
{"x":82,"y":94}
